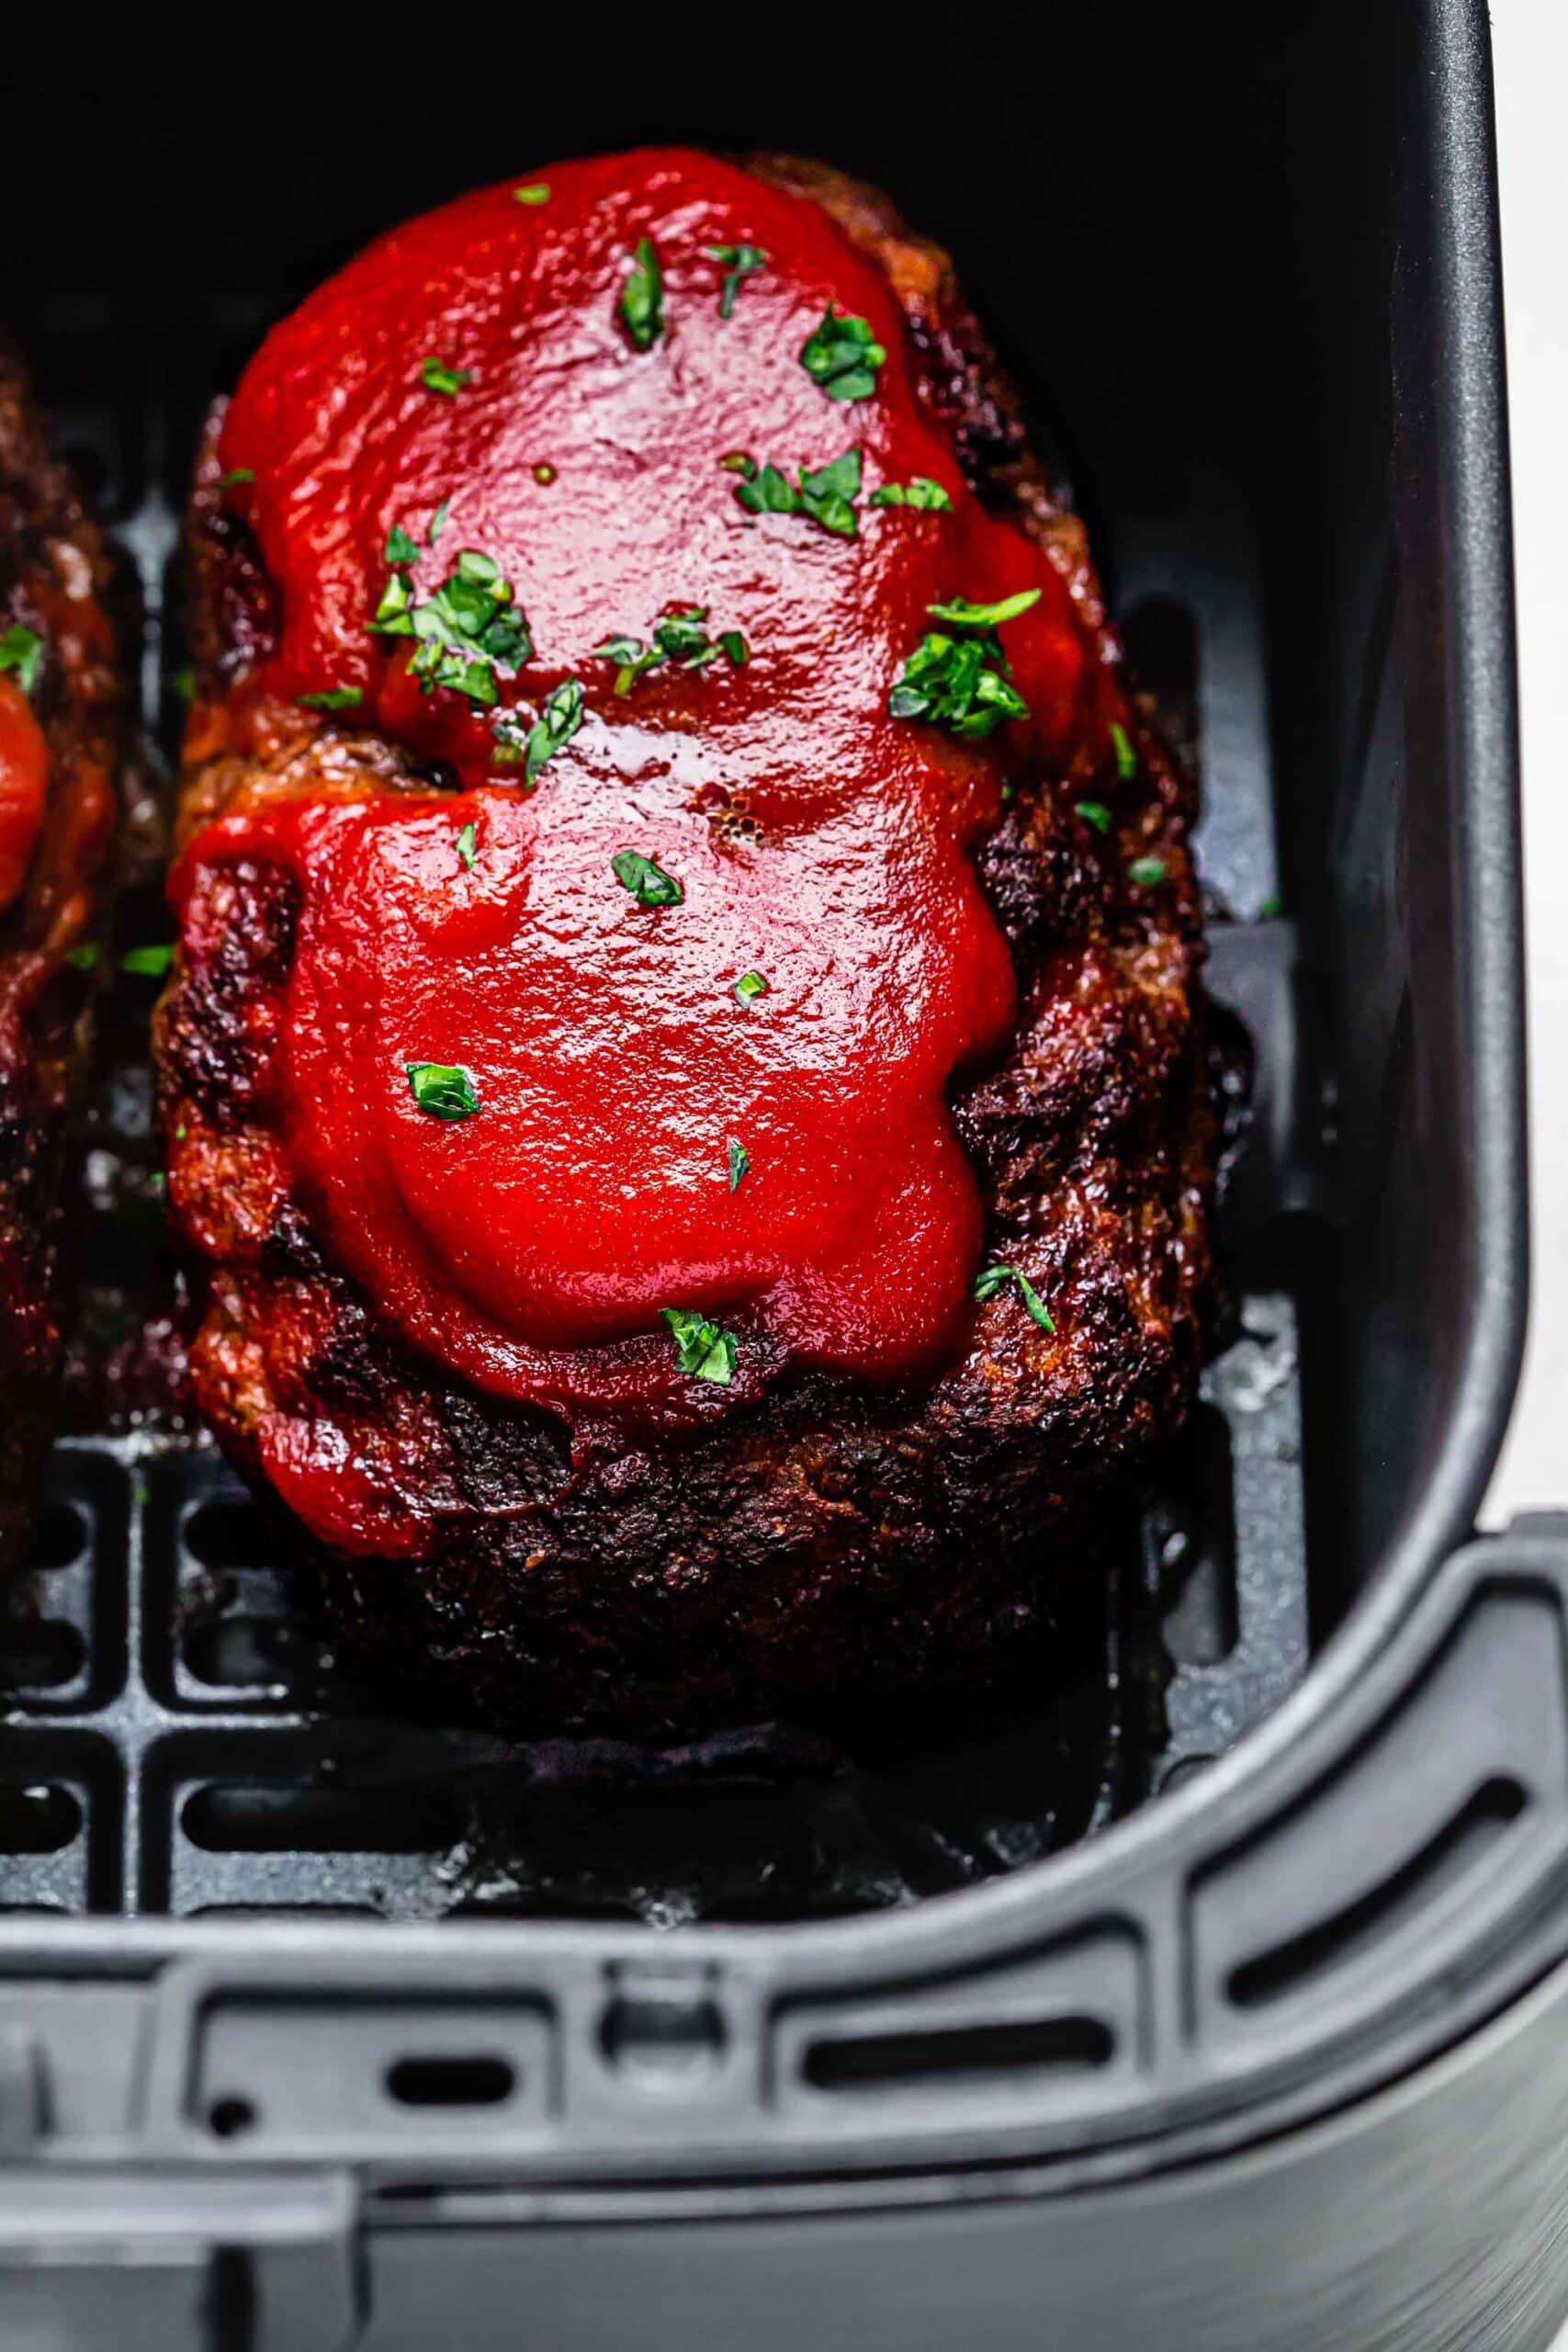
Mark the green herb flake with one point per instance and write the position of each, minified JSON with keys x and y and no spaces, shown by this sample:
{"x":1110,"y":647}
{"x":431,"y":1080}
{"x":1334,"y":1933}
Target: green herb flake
{"x":961,"y":683}
{"x":85,"y":957}
{"x":1268,"y":909}
{"x":826,"y":496}
{"x":438,"y":522}
{"x":959,"y":612}
{"x":158,"y":1184}
{"x":22,"y":653}
{"x":557,"y":724}
{"x":737,"y":461}
{"x":466,"y":851}
{"x":702,"y":1350}
{"x":437,"y":377}
{"x":680,"y":638}
{"x":919,"y":492}
{"x":331,"y":698}
{"x":544,"y":474}
{"x":649,"y":883}
{"x":235,"y":476}
{"x":185,"y":686}
{"x":737,"y":262}
{"x":532,"y":192}
{"x":750,"y":986}
{"x":148,"y":963}
{"x":442,"y":1090}
{"x":468,"y":628}
{"x":401,"y":549}
{"x":1126,"y":758}
{"x":641,"y":303}
{"x":842,"y":354}
{"x":996,"y":1278}
{"x":1146,"y":872}
{"x":1095,"y":813}
{"x":738,"y":1160}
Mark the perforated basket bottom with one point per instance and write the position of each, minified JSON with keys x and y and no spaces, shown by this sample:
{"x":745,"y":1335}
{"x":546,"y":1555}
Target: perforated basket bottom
{"x":182,"y":1738}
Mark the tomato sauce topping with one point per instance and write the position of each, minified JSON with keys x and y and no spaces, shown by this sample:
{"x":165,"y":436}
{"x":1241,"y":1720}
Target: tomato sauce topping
{"x":521,"y":1092}
{"x":24,"y":787}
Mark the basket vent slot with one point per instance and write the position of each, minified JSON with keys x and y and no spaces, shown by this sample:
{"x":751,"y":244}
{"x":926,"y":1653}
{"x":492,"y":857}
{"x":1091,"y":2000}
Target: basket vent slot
{"x":59,"y":1537}
{"x":958,"y":2054}
{"x":229,"y":1535}
{"x":41,"y":1819}
{"x":1444,"y":1859}
{"x":239,"y":1817}
{"x":42,"y":1652}
{"x":450,"y":2079}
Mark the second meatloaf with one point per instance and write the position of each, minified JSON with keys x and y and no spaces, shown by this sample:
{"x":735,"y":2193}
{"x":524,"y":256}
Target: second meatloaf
{"x":682,"y":1082}
{"x":59,"y":712}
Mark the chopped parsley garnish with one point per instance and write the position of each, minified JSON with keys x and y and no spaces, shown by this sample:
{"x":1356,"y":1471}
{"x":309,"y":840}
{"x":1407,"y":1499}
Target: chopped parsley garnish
{"x":443,"y":1090}
{"x":641,"y":305}
{"x":680,"y":638}
{"x":470,"y":626}
{"x":737,"y":262}
{"x":148,"y":963}
{"x":184,"y":685}
{"x":465,"y":846}
{"x":919,"y":490}
{"x":83,"y":958}
{"x":532,"y":192}
{"x":437,"y":377}
{"x":959,"y":682}
{"x":702,"y":1350}
{"x":996,"y":1278}
{"x":543,"y":473}
{"x":1126,"y":758}
{"x":1146,"y":871}
{"x":1095,"y":813}
{"x":557,"y":724}
{"x":235,"y":475}
{"x":331,"y":698}
{"x":739,"y":1160}
{"x":827,"y":495}
{"x":437,"y":525}
{"x":843,"y":355}
{"x":962,"y":613}
{"x":649,"y":883}
{"x":21,"y":653}
{"x":399,"y":548}
{"x":963,"y":682}
{"x":750,"y":986}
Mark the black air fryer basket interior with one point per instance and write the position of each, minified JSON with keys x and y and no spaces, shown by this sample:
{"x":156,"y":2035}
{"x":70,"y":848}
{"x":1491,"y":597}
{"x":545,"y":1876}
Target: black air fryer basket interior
{"x":1233,"y":280}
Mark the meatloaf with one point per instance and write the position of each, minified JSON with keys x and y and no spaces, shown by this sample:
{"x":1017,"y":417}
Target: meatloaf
{"x":683,"y":1079}
{"x":58,"y":720}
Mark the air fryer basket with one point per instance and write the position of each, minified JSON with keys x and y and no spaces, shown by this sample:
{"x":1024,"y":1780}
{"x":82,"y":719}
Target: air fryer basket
{"x":272,"y":1964}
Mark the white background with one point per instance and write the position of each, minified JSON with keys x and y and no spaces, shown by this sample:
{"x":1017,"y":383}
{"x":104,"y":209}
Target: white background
{"x":1529,"y":40}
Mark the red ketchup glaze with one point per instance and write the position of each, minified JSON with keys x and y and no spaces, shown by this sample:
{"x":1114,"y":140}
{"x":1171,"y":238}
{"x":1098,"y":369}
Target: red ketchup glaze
{"x":531,"y":1246}
{"x":24,"y":787}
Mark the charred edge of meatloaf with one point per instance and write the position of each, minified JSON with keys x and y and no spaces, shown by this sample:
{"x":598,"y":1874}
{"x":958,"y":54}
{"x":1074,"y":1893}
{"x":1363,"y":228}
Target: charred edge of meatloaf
{"x":830,"y":1538}
{"x":54,"y":579}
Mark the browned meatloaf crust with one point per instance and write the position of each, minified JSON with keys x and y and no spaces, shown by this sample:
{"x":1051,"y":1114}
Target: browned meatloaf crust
{"x":53,"y":578}
{"x":836,"y":1543}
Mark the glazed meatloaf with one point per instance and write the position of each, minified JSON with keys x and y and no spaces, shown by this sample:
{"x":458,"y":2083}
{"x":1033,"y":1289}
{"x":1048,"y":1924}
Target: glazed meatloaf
{"x":682,"y":1077}
{"x":59,"y":713}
